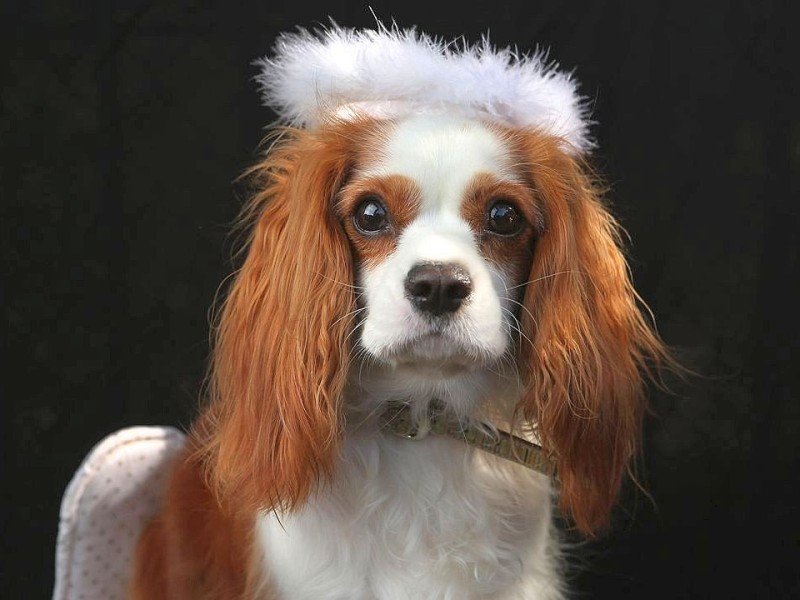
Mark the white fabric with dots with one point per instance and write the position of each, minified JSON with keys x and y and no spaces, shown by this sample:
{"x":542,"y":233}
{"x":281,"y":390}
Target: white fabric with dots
{"x":116,"y":490}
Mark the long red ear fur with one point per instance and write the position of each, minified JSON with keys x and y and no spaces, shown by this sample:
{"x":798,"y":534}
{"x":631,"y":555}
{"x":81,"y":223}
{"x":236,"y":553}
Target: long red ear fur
{"x":269,"y":433}
{"x":591,"y":345}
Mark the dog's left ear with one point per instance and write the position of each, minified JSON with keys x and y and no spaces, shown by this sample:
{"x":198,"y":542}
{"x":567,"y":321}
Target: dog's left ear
{"x":591,"y":344}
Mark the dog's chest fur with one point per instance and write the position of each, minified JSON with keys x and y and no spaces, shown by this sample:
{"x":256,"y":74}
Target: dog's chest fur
{"x":415,"y":519}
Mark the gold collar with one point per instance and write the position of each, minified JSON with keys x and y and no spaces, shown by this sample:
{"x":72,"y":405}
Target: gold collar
{"x":397,"y":419}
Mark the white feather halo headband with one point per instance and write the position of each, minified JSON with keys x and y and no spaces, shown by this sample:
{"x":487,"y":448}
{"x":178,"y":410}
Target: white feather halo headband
{"x":392,"y":72}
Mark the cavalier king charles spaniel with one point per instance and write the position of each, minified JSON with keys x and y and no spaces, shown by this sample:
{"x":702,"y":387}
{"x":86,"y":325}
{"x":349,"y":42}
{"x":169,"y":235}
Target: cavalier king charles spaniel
{"x":429,"y":246}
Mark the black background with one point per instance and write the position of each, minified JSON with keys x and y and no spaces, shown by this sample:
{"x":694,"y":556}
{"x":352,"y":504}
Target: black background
{"x":124,"y":124}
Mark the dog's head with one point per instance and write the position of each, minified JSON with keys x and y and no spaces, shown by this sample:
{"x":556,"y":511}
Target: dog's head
{"x":426,"y":256}
{"x":442,"y":222}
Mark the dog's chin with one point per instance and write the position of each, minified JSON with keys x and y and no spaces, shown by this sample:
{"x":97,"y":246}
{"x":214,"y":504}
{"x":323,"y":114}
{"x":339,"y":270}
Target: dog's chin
{"x":438,"y":353}
{"x":427,"y":366}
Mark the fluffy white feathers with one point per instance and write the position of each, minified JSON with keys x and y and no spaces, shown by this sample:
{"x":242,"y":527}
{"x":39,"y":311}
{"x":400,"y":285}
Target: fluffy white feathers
{"x":392,"y":72}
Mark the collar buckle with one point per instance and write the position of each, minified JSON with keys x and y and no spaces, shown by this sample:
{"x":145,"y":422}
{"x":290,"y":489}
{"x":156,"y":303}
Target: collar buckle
{"x":397,"y":419}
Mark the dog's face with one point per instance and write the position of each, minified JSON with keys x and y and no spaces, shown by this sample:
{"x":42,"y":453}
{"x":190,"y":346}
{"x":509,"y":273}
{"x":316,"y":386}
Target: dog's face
{"x":443,"y":223}
{"x":420,"y":258}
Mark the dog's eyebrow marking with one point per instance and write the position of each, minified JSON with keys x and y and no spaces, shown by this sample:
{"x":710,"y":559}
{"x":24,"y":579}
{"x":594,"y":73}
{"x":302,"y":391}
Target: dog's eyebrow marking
{"x":512,"y":255}
{"x":484,"y":187}
{"x":400,"y":195}
{"x":402,"y":198}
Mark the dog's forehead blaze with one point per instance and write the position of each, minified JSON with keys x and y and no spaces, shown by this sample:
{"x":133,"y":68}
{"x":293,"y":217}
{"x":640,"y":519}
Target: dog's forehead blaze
{"x":442,"y":155}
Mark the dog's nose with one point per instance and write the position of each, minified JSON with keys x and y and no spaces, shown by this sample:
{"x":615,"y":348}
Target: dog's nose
{"x":437,"y":288}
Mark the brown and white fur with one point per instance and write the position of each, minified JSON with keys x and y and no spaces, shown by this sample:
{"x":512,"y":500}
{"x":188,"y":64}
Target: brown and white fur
{"x":494,"y":282}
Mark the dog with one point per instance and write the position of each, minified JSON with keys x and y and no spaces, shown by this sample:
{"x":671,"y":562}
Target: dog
{"x":430,"y":263}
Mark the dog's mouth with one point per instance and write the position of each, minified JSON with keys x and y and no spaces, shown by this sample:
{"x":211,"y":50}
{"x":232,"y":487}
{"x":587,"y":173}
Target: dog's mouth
{"x":439,"y":351}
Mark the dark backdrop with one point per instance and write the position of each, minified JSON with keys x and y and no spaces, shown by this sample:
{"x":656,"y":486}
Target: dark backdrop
{"x":124,"y":124}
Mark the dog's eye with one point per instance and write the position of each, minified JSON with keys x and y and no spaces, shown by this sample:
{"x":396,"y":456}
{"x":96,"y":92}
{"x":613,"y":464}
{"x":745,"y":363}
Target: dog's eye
{"x":371,"y":215}
{"x":504,"y":218}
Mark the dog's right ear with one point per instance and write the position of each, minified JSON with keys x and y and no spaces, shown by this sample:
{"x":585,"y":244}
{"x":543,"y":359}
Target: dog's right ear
{"x":280,"y":359}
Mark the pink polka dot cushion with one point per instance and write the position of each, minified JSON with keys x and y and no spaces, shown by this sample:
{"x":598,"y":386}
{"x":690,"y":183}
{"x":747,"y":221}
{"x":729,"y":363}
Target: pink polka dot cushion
{"x":114,"y":493}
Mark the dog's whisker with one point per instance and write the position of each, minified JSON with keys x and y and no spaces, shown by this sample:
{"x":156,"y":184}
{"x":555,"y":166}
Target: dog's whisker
{"x":542,"y":278}
{"x":352,"y":313}
{"x":342,"y":283}
{"x":516,"y":326}
{"x":523,"y":307}
{"x":354,"y":329}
